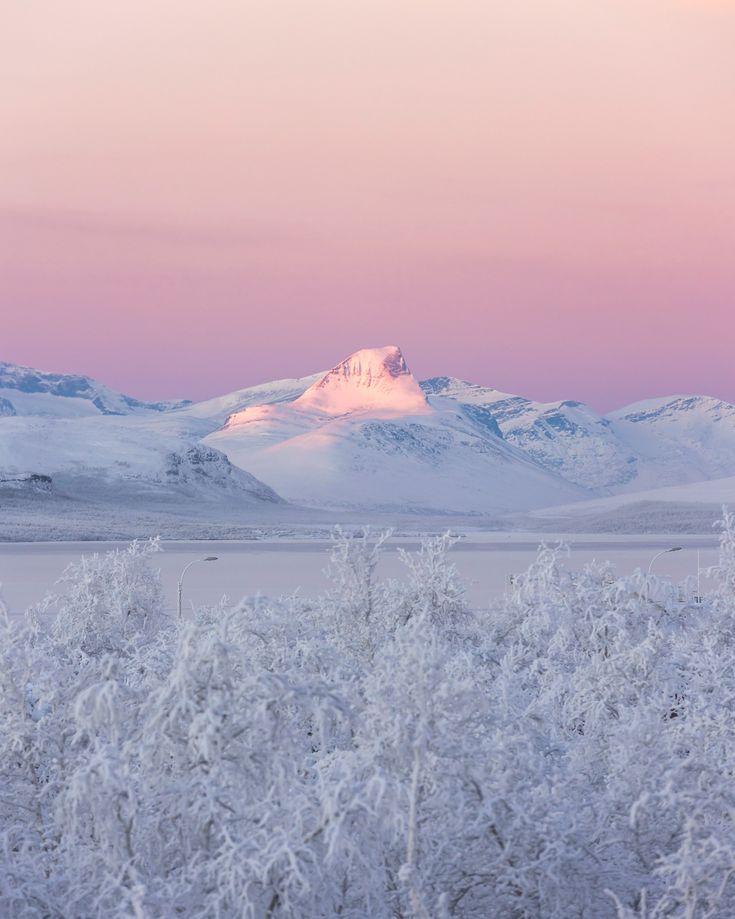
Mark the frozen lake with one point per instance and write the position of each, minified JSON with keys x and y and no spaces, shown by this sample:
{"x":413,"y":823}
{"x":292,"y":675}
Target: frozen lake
{"x":283,"y":566}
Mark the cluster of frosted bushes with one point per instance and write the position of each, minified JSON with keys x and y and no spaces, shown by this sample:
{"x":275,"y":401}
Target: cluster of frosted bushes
{"x":382,"y":751}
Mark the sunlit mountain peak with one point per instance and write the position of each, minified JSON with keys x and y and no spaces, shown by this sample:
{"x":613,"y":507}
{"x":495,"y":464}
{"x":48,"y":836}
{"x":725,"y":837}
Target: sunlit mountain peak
{"x":370,"y":379}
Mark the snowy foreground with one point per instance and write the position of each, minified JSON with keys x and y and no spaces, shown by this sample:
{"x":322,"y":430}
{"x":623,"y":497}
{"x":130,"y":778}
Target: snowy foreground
{"x":384,"y":750}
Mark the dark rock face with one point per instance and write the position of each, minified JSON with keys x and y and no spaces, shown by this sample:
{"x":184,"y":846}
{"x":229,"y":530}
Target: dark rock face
{"x":7,"y":409}
{"x":208,"y":468}
{"x":483,"y":417}
{"x":26,"y":481}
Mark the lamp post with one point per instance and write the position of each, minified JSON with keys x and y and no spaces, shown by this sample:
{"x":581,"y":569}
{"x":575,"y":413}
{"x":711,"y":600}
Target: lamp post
{"x":209,"y":558}
{"x":650,"y":567}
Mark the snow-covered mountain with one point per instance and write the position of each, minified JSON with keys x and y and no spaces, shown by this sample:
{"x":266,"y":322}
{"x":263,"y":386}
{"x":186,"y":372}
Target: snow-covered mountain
{"x":24,"y":391}
{"x":667,"y":441}
{"x":677,"y":440}
{"x":71,"y":447}
{"x":365,"y":435}
{"x":115,"y":454}
{"x":567,"y":437}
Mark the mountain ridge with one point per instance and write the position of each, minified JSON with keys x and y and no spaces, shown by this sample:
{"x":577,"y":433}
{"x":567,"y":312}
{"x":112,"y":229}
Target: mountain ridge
{"x":367,"y":434}
{"x":19,"y":384}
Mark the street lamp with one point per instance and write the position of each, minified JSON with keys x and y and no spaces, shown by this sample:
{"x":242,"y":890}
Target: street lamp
{"x":650,"y":567}
{"x":209,"y":558}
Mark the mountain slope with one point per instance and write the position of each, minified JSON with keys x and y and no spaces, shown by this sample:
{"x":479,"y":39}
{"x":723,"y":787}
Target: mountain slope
{"x":690,"y":508}
{"x":24,"y":391}
{"x":677,"y":439}
{"x":118,"y":453}
{"x":365,"y":435}
{"x":658,"y":442}
{"x":567,"y":437}
{"x":216,"y":411}
{"x":82,"y":439}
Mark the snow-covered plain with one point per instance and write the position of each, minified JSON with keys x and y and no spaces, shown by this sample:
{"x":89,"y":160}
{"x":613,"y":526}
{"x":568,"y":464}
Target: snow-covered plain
{"x":288,"y":565}
{"x":687,"y":508}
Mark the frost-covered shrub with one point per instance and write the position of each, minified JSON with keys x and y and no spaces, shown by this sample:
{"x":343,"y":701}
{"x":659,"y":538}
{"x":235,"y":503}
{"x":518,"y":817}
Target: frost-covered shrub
{"x":113,"y":602}
{"x":381,"y":751}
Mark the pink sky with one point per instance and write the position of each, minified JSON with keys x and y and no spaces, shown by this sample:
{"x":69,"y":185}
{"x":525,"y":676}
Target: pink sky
{"x":538,"y":195}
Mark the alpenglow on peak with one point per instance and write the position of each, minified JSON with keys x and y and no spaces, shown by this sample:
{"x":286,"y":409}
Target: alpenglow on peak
{"x":371,"y":379}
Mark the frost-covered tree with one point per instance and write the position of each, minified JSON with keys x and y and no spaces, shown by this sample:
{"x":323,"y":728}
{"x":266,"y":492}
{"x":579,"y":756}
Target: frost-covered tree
{"x":381,"y":751}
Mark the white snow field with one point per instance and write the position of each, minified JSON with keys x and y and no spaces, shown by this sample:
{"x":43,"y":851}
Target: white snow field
{"x":284,"y":566}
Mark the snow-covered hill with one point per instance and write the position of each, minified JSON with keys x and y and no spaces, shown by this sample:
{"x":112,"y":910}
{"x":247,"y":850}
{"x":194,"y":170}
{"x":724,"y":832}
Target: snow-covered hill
{"x":24,"y":391}
{"x":690,"y":508}
{"x":365,"y":435}
{"x":117,"y":453}
{"x":78,"y":458}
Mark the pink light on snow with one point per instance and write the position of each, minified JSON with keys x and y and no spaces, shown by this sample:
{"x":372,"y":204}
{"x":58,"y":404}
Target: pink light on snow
{"x":368,"y":380}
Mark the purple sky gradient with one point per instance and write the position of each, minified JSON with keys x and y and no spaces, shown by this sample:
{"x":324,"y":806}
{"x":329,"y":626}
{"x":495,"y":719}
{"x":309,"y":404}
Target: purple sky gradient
{"x":538,"y":197}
